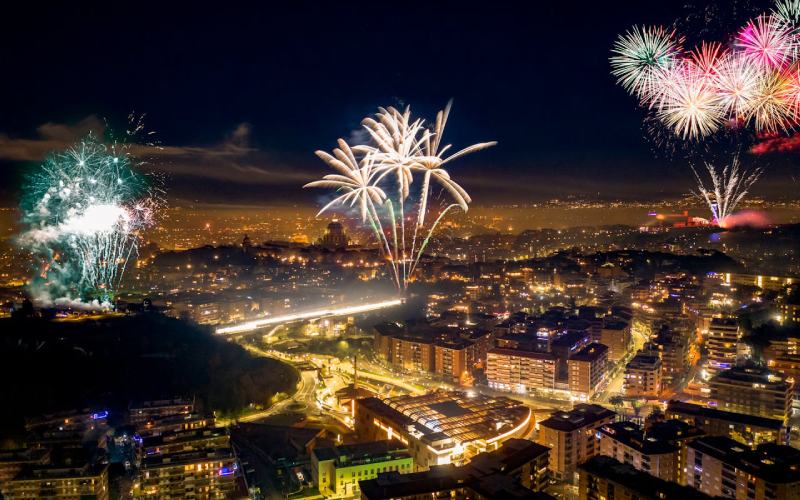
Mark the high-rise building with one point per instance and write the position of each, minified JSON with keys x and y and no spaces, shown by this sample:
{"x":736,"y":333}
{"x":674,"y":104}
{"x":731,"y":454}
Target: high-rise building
{"x":673,"y":349}
{"x":587,"y":369}
{"x":722,"y":467}
{"x":520,"y":371}
{"x":572,"y":437}
{"x":752,"y":390}
{"x":721,"y":343}
{"x":643,"y":376}
{"x":454,"y":360}
{"x":188,"y":463}
{"x":616,"y":334}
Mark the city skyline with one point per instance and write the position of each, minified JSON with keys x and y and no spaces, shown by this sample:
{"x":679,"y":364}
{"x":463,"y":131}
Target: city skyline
{"x":399,"y":250}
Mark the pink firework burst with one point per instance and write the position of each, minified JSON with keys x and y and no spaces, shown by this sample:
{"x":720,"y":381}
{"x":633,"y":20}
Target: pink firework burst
{"x":768,"y":42}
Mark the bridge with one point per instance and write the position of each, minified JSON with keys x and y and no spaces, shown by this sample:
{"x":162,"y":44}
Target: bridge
{"x":328,"y":312}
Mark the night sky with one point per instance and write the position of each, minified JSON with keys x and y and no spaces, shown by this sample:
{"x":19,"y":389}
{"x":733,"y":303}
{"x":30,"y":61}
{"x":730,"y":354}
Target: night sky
{"x":240,"y":97}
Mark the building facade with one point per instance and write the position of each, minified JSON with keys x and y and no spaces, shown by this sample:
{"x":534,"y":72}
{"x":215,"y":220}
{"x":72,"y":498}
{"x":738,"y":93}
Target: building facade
{"x":587,"y":370}
{"x":722,"y":467}
{"x":752,"y":390}
{"x":573,"y":437}
{"x":520,"y":371}
{"x":643,"y":376}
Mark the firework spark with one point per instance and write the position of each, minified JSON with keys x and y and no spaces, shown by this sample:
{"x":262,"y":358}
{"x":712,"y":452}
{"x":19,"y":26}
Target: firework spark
{"x":83,"y":212}
{"x":400,"y":148}
{"x":787,"y":11}
{"x":729,"y":185}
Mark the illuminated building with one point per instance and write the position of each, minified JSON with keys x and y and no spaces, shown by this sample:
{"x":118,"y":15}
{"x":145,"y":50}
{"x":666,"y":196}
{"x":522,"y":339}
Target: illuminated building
{"x":672,"y":347}
{"x":774,"y":283}
{"x":723,"y":335}
{"x":790,"y":313}
{"x":13,"y":461}
{"x":453,"y":360}
{"x":207,"y":473}
{"x":156,"y":409}
{"x":722,"y":467}
{"x":747,"y":429}
{"x":587,"y":369}
{"x":659,"y":451}
{"x":66,"y":471}
{"x":442,"y":427}
{"x":616,"y":334}
{"x":413,"y":354}
{"x":643,"y":376}
{"x":334,"y":237}
{"x":753,"y":391}
{"x":338,"y":470}
{"x":174,"y":423}
{"x":195,"y":462}
{"x":517,"y":470}
{"x":572,"y":437}
{"x":520,"y":371}
{"x":183,"y":441}
{"x":603,"y":477}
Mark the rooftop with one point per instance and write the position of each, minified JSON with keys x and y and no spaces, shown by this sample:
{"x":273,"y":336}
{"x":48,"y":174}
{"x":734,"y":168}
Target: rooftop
{"x":581,"y":415}
{"x":591,"y":352}
{"x":751,"y":375}
{"x":523,"y":354}
{"x":703,"y":411}
{"x":361,"y":453}
{"x":772,"y":462}
{"x":632,"y":436}
{"x":441,"y":415}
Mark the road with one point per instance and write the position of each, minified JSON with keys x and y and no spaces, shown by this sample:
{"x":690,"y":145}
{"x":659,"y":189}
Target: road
{"x":305,"y":394}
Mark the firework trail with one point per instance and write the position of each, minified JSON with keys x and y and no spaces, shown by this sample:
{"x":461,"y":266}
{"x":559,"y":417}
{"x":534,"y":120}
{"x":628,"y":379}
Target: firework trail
{"x":728,"y":187}
{"x":754,"y":82}
{"x":400,"y":148}
{"x":83,"y":210}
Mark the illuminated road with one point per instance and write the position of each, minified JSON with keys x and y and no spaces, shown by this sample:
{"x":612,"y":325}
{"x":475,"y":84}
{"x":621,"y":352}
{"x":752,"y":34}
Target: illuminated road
{"x":328,"y":312}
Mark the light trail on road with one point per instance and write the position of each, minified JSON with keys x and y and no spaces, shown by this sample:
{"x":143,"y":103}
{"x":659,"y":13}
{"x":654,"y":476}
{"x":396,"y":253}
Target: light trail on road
{"x":250,"y":326}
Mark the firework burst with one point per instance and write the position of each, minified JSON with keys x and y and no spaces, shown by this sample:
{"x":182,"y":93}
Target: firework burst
{"x":691,"y":106}
{"x":83,"y":211}
{"x":641,"y":55}
{"x":400,"y":148}
{"x":754,"y":82}
{"x":768,"y":41}
{"x":737,"y":83}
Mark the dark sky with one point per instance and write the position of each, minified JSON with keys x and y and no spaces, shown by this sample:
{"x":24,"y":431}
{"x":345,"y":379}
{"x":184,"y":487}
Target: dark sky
{"x":241,"y":96}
